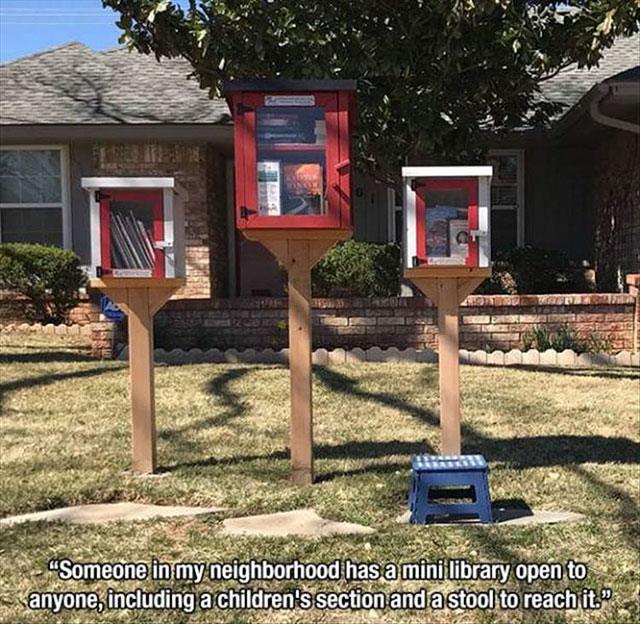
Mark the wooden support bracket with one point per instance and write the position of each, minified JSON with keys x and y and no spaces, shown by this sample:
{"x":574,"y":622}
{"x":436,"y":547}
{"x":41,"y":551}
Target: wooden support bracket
{"x":140,"y":299}
{"x":299,"y":252}
{"x":447,"y":291}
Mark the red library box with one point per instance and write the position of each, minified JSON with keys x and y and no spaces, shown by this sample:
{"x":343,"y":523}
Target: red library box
{"x":292,"y":141}
{"x":446,"y":212}
{"x":137,"y":227}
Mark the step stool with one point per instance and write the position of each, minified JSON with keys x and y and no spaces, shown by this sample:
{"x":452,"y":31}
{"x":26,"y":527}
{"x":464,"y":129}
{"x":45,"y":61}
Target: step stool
{"x":440,"y":472}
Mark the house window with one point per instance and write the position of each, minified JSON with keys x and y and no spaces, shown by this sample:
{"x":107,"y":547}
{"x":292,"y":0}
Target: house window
{"x":34,"y":195}
{"x":507,"y":199}
{"x":394,"y":216}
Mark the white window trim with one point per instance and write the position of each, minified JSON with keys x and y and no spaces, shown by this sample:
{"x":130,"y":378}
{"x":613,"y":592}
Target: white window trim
{"x":64,"y":204}
{"x":520,"y":206}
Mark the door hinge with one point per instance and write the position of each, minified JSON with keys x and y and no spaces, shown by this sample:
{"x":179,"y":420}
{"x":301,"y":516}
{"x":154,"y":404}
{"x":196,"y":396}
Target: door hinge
{"x":100,"y":196}
{"x":245,"y":212}
{"x":241,"y":109}
{"x":415,"y":185}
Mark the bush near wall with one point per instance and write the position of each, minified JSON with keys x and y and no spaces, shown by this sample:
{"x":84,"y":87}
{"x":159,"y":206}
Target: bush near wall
{"x":357,"y":269}
{"x":531,"y":271}
{"x":46,"y":278}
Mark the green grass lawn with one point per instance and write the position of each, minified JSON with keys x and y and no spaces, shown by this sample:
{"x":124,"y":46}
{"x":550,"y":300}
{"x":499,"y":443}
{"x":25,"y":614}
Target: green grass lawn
{"x":556,"y":440}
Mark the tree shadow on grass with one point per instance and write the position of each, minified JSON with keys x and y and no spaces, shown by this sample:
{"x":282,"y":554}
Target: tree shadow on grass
{"x":339,"y":382}
{"x":40,"y":357}
{"x":234,"y":408}
{"x":608,"y":373}
{"x":553,"y":450}
{"x":45,"y":380}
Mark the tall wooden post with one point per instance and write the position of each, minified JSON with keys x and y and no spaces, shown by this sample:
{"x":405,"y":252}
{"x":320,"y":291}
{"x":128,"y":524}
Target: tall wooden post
{"x":449,"y":366}
{"x":299,"y":272}
{"x":140,"y":299}
{"x":448,"y":287}
{"x":298,"y":251}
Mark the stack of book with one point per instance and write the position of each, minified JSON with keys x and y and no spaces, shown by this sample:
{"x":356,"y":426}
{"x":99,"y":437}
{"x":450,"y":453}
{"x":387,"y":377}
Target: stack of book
{"x":131,"y":241}
{"x":290,"y":128}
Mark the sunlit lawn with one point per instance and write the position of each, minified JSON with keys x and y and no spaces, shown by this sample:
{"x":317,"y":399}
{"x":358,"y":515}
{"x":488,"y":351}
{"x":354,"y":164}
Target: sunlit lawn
{"x":556,"y":440}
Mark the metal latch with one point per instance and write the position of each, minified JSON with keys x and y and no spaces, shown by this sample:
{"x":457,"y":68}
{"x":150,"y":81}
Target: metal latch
{"x":415,"y":185}
{"x":99,"y":195}
{"x":163,"y":245}
{"x":245,"y":212}
{"x":475,"y":234}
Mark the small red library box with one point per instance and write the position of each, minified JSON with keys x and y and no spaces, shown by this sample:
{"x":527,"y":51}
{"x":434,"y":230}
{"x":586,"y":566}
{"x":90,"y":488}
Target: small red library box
{"x":292,"y":141}
{"x":137,"y":227}
{"x":447,"y":217}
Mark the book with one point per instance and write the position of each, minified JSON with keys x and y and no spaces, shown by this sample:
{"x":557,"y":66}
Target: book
{"x":269,"y":187}
{"x":303,"y":188}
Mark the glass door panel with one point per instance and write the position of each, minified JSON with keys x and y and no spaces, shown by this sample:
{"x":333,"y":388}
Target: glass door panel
{"x":447,"y":226}
{"x":291,"y":161}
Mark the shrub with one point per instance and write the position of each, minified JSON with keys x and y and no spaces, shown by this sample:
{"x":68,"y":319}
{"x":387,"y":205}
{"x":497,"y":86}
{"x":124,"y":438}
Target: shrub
{"x":48,"y":277}
{"x":527,"y":270}
{"x":543,"y":338}
{"x":356,"y":269}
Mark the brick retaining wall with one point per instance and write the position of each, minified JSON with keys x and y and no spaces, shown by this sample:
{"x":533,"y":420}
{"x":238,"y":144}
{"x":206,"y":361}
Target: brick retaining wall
{"x":487,"y":321}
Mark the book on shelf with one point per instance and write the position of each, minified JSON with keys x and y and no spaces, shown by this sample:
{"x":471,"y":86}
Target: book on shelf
{"x":131,"y":241}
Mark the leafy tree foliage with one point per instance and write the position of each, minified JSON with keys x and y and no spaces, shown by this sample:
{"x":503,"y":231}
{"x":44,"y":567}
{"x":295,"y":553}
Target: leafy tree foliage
{"x":432,"y":74}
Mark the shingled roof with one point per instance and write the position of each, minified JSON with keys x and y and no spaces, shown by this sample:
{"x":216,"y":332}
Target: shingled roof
{"x":73,"y":84}
{"x":569,"y":85}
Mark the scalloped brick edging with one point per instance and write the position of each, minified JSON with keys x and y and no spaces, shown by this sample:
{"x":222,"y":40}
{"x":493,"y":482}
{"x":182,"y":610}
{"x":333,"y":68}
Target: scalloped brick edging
{"x":514,"y":357}
{"x":74,"y":329}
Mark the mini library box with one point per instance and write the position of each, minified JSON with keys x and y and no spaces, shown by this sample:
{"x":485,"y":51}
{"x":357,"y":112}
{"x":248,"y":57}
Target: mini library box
{"x":446,"y":212}
{"x":137,"y":227}
{"x":292,"y":143}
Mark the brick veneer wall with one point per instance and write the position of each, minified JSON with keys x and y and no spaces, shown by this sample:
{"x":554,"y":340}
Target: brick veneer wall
{"x":11,"y":311}
{"x":616,"y":206}
{"x":494,"y":322}
{"x":201,"y":171}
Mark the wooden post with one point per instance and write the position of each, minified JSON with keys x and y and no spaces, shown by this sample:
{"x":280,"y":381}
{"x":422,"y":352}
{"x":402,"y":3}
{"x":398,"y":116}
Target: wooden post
{"x":449,"y":366}
{"x":298,"y":251}
{"x":448,"y":287}
{"x":140,"y":299}
{"x":299,"y":272}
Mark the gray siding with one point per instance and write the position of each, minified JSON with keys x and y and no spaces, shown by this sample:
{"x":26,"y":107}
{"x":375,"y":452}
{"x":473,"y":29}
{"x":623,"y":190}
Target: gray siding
{"x":557,"y":213}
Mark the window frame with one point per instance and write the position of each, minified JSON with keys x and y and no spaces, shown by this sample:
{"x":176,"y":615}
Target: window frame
{"x":519,"y":153}
{"x":65,"y":192}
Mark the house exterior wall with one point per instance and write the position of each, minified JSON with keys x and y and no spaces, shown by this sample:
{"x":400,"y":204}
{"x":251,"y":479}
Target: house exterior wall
{"x":557,"y":212}
{"x":200,"y":169}
{"x":615,"y":203}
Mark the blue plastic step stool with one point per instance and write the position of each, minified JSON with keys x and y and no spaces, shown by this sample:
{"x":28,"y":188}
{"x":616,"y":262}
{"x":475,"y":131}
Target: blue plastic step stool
{"x":449,"y":471}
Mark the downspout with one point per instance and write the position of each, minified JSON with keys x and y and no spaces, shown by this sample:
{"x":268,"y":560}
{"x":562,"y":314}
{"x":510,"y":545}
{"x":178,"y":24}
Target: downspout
{"x":604,"y":89}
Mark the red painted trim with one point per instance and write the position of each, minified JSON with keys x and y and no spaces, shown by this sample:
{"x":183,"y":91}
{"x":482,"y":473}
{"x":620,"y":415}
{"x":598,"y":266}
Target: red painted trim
{"x":153,"y":196}
{"x":246,"y":166}
{"x":344,"y":166}
{"x":431,"y":184}
{"x":105,"y":237}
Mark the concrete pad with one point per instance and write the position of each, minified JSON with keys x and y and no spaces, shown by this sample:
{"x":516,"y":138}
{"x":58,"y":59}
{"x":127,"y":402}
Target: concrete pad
{"x":108,"y":512}
{"x":515,"y":517}
{"x":303,"y":522}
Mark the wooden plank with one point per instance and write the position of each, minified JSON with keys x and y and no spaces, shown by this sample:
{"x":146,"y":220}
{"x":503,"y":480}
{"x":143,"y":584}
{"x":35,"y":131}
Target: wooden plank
{"x":137,"y":282}
{"x":429,"y":287}
{"x":446,"y":271}
{"x":299,"y":263}
{"x":158,"y":297}
{"x":143,"y":425}
{"x":299,"y":234}
{"x":467,"y":286}
{"x":449,"y":366}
